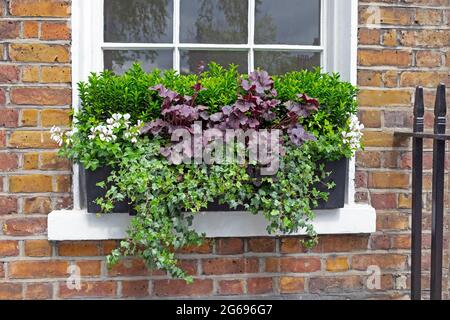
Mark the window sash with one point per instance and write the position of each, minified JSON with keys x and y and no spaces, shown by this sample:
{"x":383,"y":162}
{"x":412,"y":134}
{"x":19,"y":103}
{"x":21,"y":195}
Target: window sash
{"x":250,"y":47}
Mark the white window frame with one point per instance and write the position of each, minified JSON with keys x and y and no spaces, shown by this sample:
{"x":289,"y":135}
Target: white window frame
{"x":339,"y":20}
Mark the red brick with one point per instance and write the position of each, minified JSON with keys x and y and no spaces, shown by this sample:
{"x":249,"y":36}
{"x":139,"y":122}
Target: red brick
{"x":40,"y":8}
{"x":135,"y":288}
{"x":337,"y":264}
{"x":368,"y":159}
{"x":383,"y":261}
{"x":272,"y":264}
{"x":428,"y":58}
{"x":401,"y":241}
{"x":172,"y":288}
{"x":8,"y":161}
{"x":78,"y":248}
{"x":37,"y":205}
{"x":8,"y":74}
{"x":30,"y":161}
{"x":38,"y":248}
{"x":30,"y":183}
{"x":55,"y":31}
{"x":383,"y":98}
{"x":109,"y":246}
{"x":369,"y":78}
{"x":383,"y":200}
{"x":38,"y":291}
{"x":230,"y":266}
{"x":335,"y":284}
{"x":368,"y":36}
{"x":30,"y":117}
{"x":205,"y":247}
{"x":38,"y":269}
{"x":9,"y":29}
{"x":385,"y":57}
{"x":30,"y":29}
{"x":425,"y":38}
{"x":380,"y":242}
{"x":292,"y":245}
{"x":10,"y":291}
{"x":38,"y":52}
{"x":2,"y":96}
{"x":41,"y":96}
{"x":231,"y":287}
{"x":129,"y":267}
{"x":259,"y":285}
{"x":9,"y":248}
{"x":188,"y":266}
{"x":392,"y":222}
{"x":370,"y":118}
{"x":389,"y":180}
{"x":342,"y":243}
{"x":89,"y":289}
{"x":261,"y":245}
{"x":31,"y":139}
{"x":229,"y":246}
{"x":300,"y":265}
{"x":90,"y":268}
{"x":8,"y":205}
{"x":56,"y":117}
{"x":63,"y":183}
{"x":25,"y":226}
{"x":292,"y":284}
{"x":9,"y":118}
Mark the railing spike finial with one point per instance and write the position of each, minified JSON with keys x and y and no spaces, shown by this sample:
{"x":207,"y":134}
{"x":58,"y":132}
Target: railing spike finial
{"x":419,"y":108}
{"x":440,"y":108}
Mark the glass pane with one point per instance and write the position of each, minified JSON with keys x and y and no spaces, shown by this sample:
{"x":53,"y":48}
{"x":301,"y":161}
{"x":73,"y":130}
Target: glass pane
{"x":138,"y":20}
{"x":287,"y":22}
{"x":120,"y":61}
{"x":279,"y":62}
{"x":192,"y":59}
{"x":214,"y":21}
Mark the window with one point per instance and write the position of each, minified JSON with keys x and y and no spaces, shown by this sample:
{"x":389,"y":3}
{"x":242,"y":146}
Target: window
{"x":276,"y":35}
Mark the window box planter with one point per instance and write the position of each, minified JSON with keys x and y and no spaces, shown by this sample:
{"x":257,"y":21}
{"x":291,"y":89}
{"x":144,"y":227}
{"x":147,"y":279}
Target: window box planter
{"x":336,"y":197}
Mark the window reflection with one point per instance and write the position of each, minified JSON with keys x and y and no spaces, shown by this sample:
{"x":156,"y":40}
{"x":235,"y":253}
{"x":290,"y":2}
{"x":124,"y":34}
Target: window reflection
{"x":214,"y":21}
{"x":287,"y":22}
{"x":279,"y":62}
{"x":120,"y":61}
{"x":191,"y":59}
{"x":138,"y":21}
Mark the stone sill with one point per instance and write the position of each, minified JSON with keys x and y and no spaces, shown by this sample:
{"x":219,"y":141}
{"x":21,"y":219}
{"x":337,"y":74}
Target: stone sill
{"x":80,"y":225}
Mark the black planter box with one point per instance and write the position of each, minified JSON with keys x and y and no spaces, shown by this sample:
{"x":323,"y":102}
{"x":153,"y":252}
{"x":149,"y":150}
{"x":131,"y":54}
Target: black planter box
{"x":336,"y":197}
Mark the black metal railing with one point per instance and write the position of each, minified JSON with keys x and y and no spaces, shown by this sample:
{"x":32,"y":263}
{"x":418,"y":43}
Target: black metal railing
{"x":437,"y":225}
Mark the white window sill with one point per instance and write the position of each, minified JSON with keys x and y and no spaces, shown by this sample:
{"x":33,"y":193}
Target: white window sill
{"x":80,"y":225}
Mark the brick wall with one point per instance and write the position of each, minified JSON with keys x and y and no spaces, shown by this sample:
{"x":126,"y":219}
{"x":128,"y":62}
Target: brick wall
{"x":410,"y":46}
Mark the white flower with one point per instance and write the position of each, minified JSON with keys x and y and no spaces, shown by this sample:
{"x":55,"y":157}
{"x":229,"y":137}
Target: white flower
{"x":110,"y":121}
{"x":134,"y":140}
{"x":102,"y":137}
{"x":55,"y":129}
{"x":91,"y":137}
{"x":117,"y":116}
{"x":354,"y":136}
{"x":126,"y":116}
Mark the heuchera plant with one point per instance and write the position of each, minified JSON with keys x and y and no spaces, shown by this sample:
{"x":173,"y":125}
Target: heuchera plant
{"x":126,"y":123}
{"x":256,"y":108}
